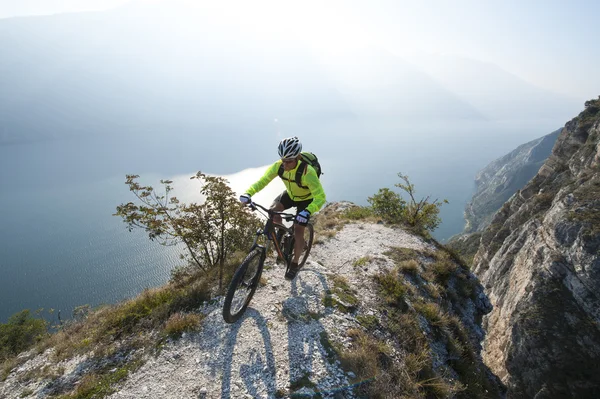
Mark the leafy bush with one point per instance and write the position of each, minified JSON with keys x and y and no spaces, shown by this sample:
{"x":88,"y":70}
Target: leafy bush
{"x":423,"y":215}
{"x":210,"y":231}
{"x":388,"y":205}
{"x":358,"y":213}
{"x":20,"y":333}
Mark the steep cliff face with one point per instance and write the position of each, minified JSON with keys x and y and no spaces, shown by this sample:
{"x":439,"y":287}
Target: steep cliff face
{"x":539,"y":261}
{"x":498,"y":181}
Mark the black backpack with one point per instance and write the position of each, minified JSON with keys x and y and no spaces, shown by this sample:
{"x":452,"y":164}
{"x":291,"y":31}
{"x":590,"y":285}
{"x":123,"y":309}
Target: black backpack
{"x":307,"y":158}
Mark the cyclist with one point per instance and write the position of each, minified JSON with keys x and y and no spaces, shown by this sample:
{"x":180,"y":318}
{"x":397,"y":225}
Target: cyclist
{"x":307,"y":200}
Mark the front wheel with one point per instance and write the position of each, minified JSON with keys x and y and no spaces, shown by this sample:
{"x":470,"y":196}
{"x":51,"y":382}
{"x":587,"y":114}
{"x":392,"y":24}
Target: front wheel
{"x":242,"y":286}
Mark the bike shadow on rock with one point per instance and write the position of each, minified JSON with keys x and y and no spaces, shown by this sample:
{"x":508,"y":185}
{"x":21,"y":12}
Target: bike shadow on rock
{"x":260,"y":370}
{"x":311,"y":359}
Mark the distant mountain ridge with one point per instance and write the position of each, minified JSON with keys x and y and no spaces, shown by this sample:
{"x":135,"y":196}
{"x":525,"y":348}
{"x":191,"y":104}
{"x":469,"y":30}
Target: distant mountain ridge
{"x":493,"y":91}
{"x":499,"y":180}
{"x":158,"y":67}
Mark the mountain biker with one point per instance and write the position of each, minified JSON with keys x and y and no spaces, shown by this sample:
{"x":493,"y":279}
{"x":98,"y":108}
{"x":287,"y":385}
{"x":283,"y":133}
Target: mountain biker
{"x":306,"y":200}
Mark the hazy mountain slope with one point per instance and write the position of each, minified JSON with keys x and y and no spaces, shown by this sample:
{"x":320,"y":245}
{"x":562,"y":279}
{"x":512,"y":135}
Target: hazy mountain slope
{"x":379,"y":84}
{"x":493,"y":91}
{"x":88,"y":73}
{"x":163,"y":68}
{"x":540,"y":263}
{"x":499,"y":180}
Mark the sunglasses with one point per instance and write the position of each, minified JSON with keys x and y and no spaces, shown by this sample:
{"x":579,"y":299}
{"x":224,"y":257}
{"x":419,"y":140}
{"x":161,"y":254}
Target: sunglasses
{"x":288,"y":160}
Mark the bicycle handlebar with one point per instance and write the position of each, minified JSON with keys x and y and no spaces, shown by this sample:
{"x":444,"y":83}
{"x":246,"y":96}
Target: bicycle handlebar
{"x":287,"y":216}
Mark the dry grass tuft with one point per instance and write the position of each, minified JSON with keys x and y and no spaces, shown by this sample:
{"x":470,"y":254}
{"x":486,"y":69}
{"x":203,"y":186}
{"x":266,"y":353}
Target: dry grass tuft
{"x":179,"y":323}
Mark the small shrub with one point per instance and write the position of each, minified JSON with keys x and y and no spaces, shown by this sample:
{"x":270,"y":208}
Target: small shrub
{"x":434,"y":290}
{"x":7,"y":366}
{"x":393,"y":288}
{"x":358,"y":213}
{"x":409,"y":266}
{"x":363,"y":356}
{"x":362,"y":261}
{"x":326,"y":234}
{"x":422,"y":214}
{"x":179,"y":323}
{"x":20,"y":333}
{"x":432,"y":312}
{"x":388,"y":205}
{"x":443,"y":269}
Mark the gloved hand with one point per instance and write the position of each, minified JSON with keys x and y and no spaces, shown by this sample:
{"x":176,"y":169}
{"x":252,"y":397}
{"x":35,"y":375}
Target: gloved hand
{"x":245,"y":199}
{"x":302,"y":217}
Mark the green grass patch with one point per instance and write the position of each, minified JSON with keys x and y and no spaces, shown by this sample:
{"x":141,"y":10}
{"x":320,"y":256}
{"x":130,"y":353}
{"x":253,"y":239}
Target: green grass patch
{"x":362,"y":261}
{"x":363,"y":357}
{"x":399,"y":255}
{"x":331,"y":349}
{"x":304,"y":382}
{"x":341,"y":296}
{"x":101,"y":384}
{"x":433,"y":313}
{"x":393,"y":288}
{"x":409,"y":266}
{"x":369,"y":322}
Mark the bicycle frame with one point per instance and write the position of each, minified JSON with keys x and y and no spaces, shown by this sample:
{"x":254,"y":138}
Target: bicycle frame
{"x":269,"y":232}
{"x":246,"y":284}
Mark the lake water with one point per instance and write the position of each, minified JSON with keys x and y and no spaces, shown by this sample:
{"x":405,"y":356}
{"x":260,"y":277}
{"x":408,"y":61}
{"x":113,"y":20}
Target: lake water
{"x":60,"y":247}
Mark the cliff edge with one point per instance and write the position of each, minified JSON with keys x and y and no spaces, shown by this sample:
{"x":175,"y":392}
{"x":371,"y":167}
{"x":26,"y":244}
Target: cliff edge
{"x":539,"y":261}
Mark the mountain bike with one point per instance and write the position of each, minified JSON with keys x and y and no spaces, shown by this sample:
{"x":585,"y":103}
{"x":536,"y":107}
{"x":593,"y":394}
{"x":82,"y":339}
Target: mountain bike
{"x":247,"y":276}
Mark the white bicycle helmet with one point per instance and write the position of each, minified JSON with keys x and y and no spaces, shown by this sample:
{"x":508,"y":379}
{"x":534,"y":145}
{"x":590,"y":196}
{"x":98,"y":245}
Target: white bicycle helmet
{"x":290,"y":147}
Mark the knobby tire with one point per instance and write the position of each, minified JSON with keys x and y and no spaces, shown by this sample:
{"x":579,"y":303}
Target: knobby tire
{"x":242,"y":286}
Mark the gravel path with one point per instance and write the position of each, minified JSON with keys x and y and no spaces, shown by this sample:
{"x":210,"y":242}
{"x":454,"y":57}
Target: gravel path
{"x":276,"y":349}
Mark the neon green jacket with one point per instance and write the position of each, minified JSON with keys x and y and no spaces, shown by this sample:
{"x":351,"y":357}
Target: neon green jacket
{"x":296,"y":193}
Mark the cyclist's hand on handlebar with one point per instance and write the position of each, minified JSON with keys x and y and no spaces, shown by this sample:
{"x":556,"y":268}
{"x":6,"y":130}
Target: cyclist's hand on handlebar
{"x":302,"y":217}
{"x":245,"y":199}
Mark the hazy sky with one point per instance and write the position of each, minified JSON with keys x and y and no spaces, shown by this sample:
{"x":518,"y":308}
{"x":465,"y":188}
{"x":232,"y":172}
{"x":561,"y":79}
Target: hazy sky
{"x":552,"y":44}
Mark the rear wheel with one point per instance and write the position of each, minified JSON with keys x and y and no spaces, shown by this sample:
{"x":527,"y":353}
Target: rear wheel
{"x":309,"y":234}
{"x":242,"y":287}
{"x":280,"y":231}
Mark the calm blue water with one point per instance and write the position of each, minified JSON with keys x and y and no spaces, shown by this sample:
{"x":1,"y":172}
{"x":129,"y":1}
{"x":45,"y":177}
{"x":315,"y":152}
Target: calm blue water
{"x":60,"y":247}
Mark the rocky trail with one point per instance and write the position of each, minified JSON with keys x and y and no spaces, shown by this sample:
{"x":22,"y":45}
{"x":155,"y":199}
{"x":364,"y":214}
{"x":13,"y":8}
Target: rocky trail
{"x":279,"y":348}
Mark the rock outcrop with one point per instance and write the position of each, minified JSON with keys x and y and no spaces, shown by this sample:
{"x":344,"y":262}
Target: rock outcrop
{"x":498,"y":181}
{"x":539,"y":261}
